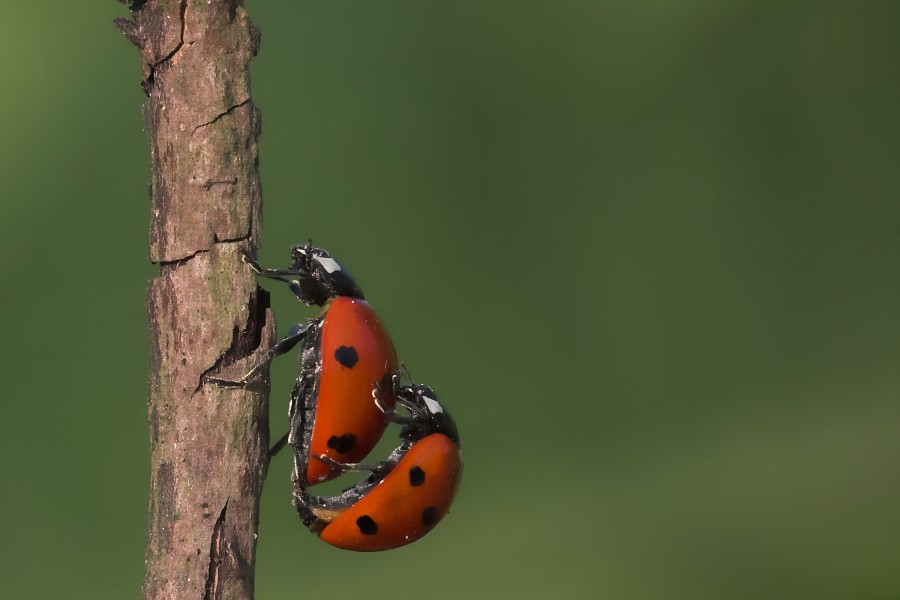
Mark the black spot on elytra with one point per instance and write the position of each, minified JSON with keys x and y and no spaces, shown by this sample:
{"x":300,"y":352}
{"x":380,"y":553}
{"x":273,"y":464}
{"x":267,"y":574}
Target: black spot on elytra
{"x":342,"y":444}
{"x":367,"y":525}
{"x":347,"y":356}
{"x":429,"y":516}
{"x":416,"y":476}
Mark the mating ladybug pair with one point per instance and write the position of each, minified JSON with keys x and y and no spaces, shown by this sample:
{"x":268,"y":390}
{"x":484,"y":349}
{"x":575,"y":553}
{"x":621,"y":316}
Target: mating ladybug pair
{"x":346,"y":393}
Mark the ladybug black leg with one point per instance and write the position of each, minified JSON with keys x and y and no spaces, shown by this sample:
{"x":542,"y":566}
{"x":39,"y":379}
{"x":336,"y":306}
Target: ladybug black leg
{"x":394,"y":417}
{"x":276,"y":448}
{"x":269,"y":273}
{"x":278,"y":275}
{"x":345,"y":467}
{"x":390,"y":413}
{"x":294,"y":336}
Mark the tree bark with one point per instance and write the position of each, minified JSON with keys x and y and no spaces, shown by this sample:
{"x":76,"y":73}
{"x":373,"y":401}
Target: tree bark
{"x":209,"y":446}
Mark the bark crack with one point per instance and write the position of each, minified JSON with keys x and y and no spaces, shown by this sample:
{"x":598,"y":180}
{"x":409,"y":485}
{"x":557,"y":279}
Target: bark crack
{"x":218,"y":550}
{"x":244,"y":342}
{"x":235,"y":240}
{"x":179,"y":262}
{"x":220,"y":362}
{"x":147,"y":84}
{"x":227,"y":111}
{"x":244,"y":237}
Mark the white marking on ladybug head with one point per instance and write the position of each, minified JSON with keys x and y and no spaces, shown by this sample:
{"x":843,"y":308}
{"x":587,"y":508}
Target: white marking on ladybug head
{"x":329,"y":264}
{"x":433,"y":405}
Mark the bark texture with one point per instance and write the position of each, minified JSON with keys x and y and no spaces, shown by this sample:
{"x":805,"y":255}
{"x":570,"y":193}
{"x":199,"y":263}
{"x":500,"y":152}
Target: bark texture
{"x":206,"y":314}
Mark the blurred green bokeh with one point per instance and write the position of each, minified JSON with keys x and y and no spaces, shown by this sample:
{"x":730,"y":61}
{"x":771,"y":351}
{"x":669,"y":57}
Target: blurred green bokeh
{"x":647,"y":252}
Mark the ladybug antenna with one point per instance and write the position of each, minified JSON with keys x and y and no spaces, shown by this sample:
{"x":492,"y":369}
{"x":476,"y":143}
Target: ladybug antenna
{"x":406,"y":372}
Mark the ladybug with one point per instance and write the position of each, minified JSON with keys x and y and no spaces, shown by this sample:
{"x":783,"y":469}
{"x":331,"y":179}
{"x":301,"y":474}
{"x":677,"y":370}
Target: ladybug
{"x":345,"y":351}
{"x":406,"y":495}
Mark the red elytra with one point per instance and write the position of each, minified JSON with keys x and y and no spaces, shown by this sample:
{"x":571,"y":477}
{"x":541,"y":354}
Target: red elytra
{"x":406,"y":504}
{"x":355,"y":353}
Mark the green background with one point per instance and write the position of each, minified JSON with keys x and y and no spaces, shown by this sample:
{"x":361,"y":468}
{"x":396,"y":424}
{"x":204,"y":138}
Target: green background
{"x":647,"y":252}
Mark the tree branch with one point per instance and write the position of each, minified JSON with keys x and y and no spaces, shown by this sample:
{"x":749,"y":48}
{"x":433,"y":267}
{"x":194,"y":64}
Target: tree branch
{"x":209,"y":446}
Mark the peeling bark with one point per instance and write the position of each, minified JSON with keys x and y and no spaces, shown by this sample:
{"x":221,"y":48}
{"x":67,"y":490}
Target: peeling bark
{"x":208,"y":445}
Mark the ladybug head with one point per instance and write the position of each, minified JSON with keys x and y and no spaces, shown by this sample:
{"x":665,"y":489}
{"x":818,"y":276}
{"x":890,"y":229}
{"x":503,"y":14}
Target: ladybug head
{"x":321,"y":277}
{"x":427,"y":415}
